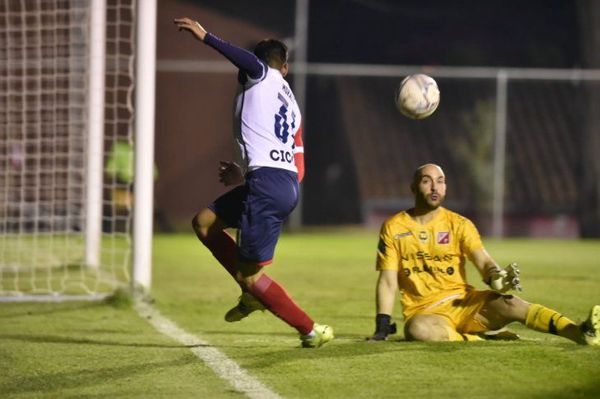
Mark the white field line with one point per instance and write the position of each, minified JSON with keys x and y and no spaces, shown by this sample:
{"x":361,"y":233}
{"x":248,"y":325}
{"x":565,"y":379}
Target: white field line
{"x":223,"y":367}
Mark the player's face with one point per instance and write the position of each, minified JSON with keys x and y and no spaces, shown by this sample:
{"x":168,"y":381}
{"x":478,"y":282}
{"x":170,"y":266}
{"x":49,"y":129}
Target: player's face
{"x":284,"y":70}
{"x":430,"y":189}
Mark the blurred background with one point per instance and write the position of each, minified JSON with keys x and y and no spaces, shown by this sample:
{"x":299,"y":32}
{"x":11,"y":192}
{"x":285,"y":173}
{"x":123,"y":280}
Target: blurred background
{"x":517,"y":129}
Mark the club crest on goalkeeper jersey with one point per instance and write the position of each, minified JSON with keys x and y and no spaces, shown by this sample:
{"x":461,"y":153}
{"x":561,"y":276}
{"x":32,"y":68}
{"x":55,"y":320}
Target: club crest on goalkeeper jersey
{"x":267,"y":119}
{"x":430,"y":258}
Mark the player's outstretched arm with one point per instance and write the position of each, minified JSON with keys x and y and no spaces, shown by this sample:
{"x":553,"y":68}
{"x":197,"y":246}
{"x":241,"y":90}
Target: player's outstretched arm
{"x":498,"y":279}
{"x":243,"y":59}
{"x":191,"y":26}
{"x":387,"y":286}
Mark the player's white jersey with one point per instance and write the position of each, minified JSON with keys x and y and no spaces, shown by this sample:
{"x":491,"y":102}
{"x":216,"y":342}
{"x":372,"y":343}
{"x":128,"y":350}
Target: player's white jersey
{"x":267,"y":118}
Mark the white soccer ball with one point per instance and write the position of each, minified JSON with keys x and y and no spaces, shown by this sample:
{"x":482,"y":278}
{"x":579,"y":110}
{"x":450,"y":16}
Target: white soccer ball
{"x":418,"y":96}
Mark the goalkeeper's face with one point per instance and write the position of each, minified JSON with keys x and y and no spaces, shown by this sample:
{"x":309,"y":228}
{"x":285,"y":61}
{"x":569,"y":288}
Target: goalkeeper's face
{"x":429,"y":187}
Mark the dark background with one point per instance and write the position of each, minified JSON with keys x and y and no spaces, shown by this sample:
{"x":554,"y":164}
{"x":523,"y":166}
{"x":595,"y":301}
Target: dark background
{"x":531,"y":33}
{"x":193,"y":127}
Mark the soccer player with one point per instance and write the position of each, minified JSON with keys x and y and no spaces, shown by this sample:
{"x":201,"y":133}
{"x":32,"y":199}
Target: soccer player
{"x":422,"y":252}
{"x":269,"y":137}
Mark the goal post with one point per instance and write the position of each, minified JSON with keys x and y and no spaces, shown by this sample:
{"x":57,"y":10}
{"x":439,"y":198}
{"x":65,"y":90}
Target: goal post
{"x":67,"y":133}
{"x":144,"y":137}
{"x":95,"y":127}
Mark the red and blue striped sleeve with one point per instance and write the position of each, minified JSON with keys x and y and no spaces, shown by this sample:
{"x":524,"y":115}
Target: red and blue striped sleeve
{"x":299,"y":154}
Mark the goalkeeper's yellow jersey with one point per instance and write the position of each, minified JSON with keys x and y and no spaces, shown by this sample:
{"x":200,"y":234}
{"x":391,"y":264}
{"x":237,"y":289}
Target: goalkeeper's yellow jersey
{"x":430,"y":258}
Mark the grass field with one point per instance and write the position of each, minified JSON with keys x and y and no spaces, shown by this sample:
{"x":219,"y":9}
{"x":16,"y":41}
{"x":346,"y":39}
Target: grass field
{"x":107,"y":350}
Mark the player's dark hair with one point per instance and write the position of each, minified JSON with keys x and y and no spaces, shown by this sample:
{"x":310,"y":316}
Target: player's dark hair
{"x":272,"y":51}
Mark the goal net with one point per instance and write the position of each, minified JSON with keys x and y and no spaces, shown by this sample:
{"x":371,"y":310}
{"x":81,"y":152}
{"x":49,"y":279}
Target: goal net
{"x":65,"y":194}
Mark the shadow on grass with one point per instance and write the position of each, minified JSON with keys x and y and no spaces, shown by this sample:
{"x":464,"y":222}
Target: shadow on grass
{"x":248,"y":333}
{"x":345,"y":346}
{"x":56,"y":339}
{"x":46,"y":308}
{"x":49,"y":382}
{"x":352,"y":349}
{"x":589,"y":391}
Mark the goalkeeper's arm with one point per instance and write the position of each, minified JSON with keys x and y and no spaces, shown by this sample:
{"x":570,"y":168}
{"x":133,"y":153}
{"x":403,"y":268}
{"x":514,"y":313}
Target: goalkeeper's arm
{"x":498,"y":279}
{"x":387,"y":286}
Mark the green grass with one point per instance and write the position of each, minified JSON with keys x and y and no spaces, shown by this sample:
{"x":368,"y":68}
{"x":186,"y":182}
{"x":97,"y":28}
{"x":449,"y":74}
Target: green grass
{"x":106,"y":350}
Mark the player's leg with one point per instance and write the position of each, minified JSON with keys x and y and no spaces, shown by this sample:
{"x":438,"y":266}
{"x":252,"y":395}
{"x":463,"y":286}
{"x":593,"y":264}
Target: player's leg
{"x":498,"y":310}
{"x":432,"y":328}
{"x":541,"y":318}
{"x":210,"y":224}
{"x":210,"y":230}
{"x":464,"y":314}
{"x":271,"y":197}
{"x":503,"y":309}
{"x":274,"y":297}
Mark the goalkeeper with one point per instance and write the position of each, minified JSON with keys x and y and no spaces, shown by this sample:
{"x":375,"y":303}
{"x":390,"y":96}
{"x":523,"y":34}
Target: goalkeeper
{"x":422,"y":253}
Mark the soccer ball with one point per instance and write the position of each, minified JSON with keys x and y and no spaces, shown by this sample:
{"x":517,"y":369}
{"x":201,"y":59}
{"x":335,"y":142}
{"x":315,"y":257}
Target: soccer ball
{"x":417,"y":96}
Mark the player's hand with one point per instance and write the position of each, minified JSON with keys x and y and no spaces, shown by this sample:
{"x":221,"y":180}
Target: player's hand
{"x":230,"y":173}
{"x":192,"y":26}
{"x":383,"y":328}
{"x":512,"y":276}
{"x":505,"y":280}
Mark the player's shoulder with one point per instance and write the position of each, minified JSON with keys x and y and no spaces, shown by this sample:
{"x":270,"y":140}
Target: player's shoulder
{"x":274,"y":80}
{"x":397,"y":220}
{"x":455,"y":218}
{"x":448,"y":214}
{"x":249,"y":82}
{"x":273,"y":74}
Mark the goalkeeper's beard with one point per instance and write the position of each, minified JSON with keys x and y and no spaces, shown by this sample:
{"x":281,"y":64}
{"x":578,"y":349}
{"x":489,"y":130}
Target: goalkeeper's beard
{"x":425,"y":201}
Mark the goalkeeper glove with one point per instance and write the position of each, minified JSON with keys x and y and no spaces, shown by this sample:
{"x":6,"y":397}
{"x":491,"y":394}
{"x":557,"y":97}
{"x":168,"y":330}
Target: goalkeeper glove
{"x":383,"y":327}
{"x":504,"y":280}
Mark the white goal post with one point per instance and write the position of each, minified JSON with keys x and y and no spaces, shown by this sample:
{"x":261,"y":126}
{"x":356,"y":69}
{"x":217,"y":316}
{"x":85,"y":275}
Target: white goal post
{"x":68,"y":125}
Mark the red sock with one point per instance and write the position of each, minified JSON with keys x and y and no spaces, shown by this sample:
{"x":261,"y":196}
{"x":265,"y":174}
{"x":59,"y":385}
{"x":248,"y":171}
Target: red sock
{"x":274,"y":297}
{"x":224,"y":249}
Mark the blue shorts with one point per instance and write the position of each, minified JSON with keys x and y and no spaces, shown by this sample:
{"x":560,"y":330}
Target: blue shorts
{"x":258,"y":209}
